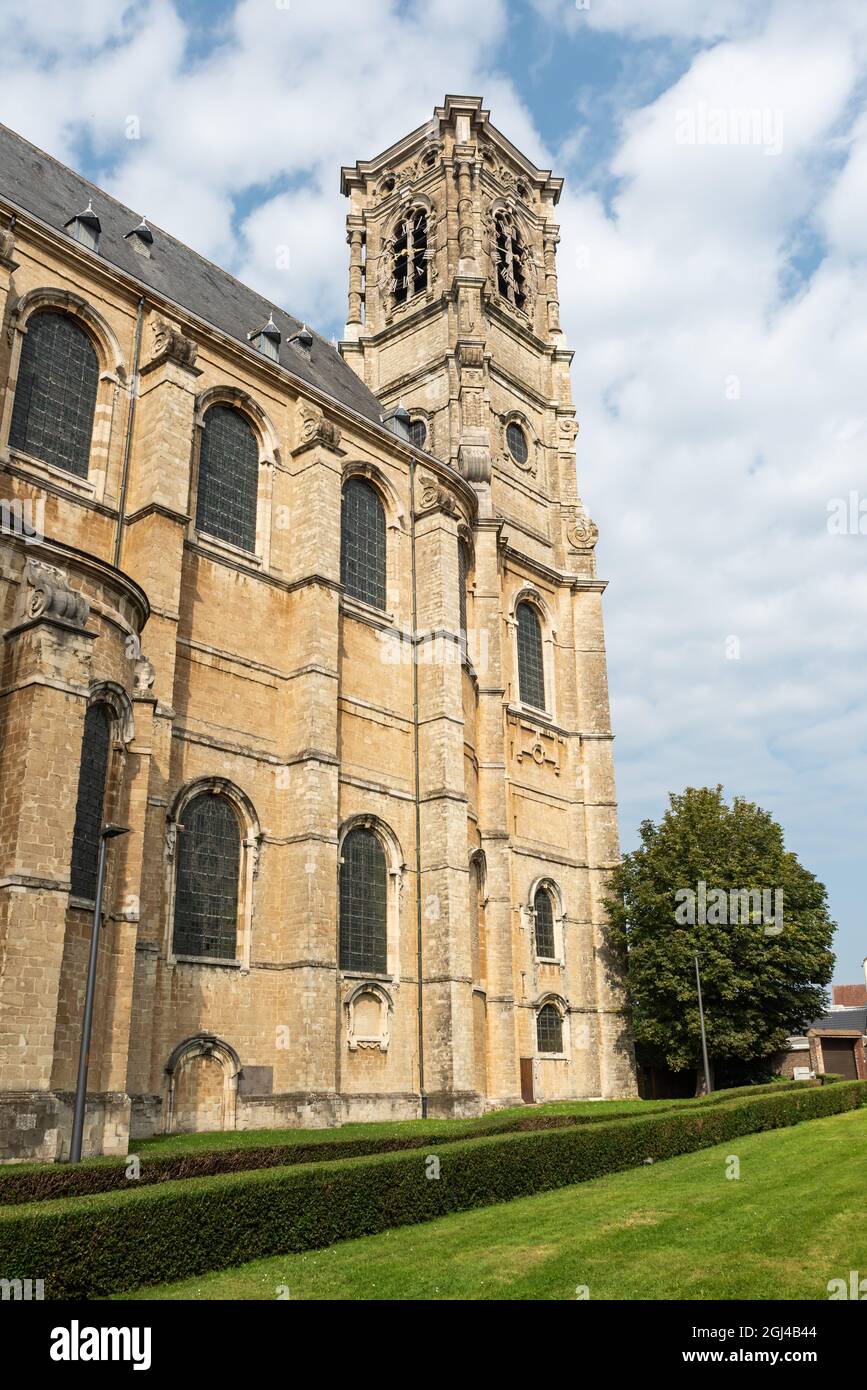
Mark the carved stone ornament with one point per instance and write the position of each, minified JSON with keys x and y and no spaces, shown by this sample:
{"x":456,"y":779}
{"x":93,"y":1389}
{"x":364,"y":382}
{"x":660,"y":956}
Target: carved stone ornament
{"x":313,"y":428}
{"x":368,"y":1009}
{"x":144,"y":676}
{"x":434,"y":495}
{"x":7,"y":247}
{"x":583,"y":533}
{"x":171,"y":838}
{"x":50,"y":595}
{"x":170,"y":344}
{"x":428,"y":158}
{"x":544,"y":747}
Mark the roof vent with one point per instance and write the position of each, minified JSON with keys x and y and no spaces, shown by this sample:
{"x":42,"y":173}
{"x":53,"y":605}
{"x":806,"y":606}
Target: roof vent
{"x":267,"y":339}
{"x":303,"y":339}
{"x":398,"y":421}
{"x":141,"y":238}
{"x":85,"y":228}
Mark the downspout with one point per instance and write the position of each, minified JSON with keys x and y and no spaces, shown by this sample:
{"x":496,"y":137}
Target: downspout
{"x":418,"y":908}
{"x":118,"y":540}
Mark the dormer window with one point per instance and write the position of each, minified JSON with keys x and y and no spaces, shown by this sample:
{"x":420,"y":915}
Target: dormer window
{"x":267,"y":339}
{"x":410,"y":256}
{"x":141,"y":238}
{"x":85,"y":228}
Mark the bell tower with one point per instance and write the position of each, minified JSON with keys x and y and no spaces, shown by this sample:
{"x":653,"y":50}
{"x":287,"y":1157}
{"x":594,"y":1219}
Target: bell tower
{"x":454,"y":314}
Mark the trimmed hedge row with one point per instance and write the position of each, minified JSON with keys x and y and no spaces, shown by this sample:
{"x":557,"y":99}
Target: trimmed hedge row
{"x":88,"y":1247}
{"x":48,"y":1182}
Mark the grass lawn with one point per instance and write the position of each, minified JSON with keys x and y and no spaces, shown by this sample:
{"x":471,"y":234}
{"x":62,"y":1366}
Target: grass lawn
{"x":680,"y":1230}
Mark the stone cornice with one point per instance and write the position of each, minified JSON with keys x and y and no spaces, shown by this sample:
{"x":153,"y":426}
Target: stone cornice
{"x":55,"y":552}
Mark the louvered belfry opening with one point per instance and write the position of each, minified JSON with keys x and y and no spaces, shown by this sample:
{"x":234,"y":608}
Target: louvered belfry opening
{"x":206,"y":892}
{"x":511,"y":281}
{"x":55,"y":396}
{"x":363,"y":903}
{"x":409,"y":249}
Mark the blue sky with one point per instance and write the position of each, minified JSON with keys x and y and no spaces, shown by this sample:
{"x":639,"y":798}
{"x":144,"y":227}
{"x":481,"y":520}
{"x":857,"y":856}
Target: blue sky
{"x":713,"y":285}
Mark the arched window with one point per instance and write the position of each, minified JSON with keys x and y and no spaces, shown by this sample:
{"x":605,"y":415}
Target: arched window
{"x":410,"y":256}
{"x":228,"y":478}
{"x":363,"y":903}
{"x":206,"y":894}
{"x":531,"y":663}
{"x":362,"y":543}
{"x":463,"y":580}
{"x":509,"y":261}
{"x":543,"y":912}
{"x":55,"y":397}
{"x":89,"y":806}
{"x":549,"y":1029}
{"x":418,"y":433}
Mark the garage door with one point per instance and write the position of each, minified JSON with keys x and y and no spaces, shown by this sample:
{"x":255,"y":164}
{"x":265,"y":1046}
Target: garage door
{"x":839,"y":1055}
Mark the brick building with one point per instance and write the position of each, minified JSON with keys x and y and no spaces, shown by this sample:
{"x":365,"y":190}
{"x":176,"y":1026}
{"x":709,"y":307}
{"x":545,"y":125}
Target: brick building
{"x":323,"y":629}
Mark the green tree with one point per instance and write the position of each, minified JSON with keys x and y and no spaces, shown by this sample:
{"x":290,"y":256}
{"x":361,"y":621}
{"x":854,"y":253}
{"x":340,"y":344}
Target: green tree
{"x":761,"y":979}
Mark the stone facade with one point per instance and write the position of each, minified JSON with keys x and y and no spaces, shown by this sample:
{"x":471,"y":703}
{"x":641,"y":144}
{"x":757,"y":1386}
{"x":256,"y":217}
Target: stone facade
{"x":253,"y":676}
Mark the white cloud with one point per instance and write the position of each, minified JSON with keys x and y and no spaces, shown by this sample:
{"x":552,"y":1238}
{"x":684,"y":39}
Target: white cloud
{"x":721,"y":399}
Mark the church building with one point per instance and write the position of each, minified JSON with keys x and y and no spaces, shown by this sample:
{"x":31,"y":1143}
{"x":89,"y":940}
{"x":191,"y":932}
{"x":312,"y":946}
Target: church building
{"x":319,"y":627}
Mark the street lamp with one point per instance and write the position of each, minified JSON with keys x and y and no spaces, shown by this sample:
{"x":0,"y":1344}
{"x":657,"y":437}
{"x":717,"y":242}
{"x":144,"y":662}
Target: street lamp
{"x":707,"y":1086}
{"x":108,"y":832}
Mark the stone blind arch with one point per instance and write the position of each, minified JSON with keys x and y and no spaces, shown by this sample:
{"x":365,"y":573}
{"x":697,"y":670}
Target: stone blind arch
{"x":185,"y":1056}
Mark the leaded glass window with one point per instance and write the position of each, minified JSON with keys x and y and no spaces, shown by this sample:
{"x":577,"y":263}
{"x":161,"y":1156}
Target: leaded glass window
{"x":531,"y":663}
{"x":206,"y":893}
{"x":363,"y":903}
{"x":516,"y":441}
{"x":463,"y":577}
{"x":418,"y":433}
{"x":55,"y":397}
{"x":544,"y":914}
{"x":93,"y":770}
{"x":549,"y":1029}
{"x":228,"y":478}
{"x":362,"y":543}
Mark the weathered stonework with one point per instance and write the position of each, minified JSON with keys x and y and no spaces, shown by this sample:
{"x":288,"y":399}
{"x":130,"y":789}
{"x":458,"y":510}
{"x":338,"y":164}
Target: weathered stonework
{"x":253,"y":675}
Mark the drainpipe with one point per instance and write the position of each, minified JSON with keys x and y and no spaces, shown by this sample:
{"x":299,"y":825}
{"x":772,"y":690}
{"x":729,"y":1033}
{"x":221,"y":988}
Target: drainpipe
{"x":418,"y":909}
{"x":118,"y":540}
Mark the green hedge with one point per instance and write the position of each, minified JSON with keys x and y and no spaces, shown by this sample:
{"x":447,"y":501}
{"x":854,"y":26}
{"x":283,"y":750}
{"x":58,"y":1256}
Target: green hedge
{"x":827,"y":1078}
{"x":46,"y":1182}
{"x":87,"y":1247}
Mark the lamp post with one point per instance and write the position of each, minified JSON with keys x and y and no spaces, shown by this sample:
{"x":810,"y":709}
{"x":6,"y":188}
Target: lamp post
{"x":707,"y":1086}
{"x":108,"y":832}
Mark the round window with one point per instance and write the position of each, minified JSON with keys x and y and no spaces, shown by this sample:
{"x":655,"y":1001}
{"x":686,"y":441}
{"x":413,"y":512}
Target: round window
{"x":418,"y":433}
{"x":517,"y":442}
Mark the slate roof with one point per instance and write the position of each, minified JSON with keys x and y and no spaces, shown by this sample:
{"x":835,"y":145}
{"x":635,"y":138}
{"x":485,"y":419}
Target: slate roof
{"x":32,"y":181}
{"x":843,"y":1020}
